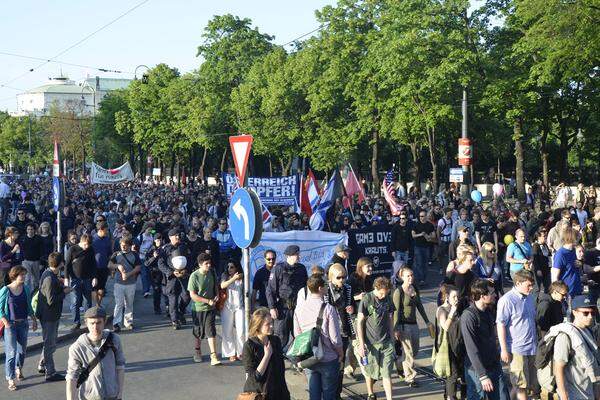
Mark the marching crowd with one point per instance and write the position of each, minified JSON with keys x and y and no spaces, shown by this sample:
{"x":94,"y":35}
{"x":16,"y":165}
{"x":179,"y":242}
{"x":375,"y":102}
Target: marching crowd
{"x":330,"y":321}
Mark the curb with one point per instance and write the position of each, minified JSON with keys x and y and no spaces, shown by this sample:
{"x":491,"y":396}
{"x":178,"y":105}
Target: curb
{"x":59,"y":339}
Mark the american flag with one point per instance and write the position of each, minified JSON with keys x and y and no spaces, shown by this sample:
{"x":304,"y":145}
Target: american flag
{"x":388,"y":193}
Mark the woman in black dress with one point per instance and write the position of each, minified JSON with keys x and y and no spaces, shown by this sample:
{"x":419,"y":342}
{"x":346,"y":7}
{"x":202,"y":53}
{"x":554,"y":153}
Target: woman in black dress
{"x":541,"y":261}
{"x":263,"y":359}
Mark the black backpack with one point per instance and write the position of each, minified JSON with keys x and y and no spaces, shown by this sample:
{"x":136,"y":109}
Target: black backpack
{"x":456,"y":340}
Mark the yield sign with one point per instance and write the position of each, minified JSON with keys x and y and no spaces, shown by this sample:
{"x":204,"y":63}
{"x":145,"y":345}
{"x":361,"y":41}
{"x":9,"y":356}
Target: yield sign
{"x":240,"y":148}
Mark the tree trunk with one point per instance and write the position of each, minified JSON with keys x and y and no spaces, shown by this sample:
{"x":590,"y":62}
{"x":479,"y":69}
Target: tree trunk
{"x":518,"y":138}
{"x":545,"y":165}
{"x":201,"y":172}
{"x":285,"y":167}
{"x":374,"y":160}
{"x":432,"y":158}
{"x":223,"y":159}
{"x":414,"y":151}
{"x":270,"y":167}
{"x":563,"y":166}
{"x":131,"y":157}
{"x":142,"y":162}
{"x":172,"y":168}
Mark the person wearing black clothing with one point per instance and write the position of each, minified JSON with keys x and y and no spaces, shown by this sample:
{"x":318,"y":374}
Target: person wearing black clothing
{"x":287,"y":278}
{"x":154,"y":254}
{"x":591,"y":267}
{"x":80,"y":273}
{"x":261,"y":279}
{"x":49,"y":309}
{"x":21,"y":221}
{"x":401,"y":240}
{"x":31,"y":251}
{"x":209,"y":245}
{"x":423,"y":233}
{"x":263,"y":359}
{"x":48,"y":242}
{"x":462,"y":276}
{"x":486,"y":231}
{"x":549,"y":308}
{"x":541,"y":262}
{"x":194,"y":243}
{"x":483,"y":371}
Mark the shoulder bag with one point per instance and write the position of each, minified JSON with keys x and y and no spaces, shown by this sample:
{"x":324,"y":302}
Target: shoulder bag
{"x":85,"y":373}
{"x":307,"y":347}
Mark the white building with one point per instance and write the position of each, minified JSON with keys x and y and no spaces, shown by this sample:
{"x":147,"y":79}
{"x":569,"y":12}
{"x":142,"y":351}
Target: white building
{"x":82,"y":97}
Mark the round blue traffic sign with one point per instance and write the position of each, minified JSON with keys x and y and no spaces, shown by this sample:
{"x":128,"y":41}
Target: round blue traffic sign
{"x":58,"y":195}
{"x":245,"y":222}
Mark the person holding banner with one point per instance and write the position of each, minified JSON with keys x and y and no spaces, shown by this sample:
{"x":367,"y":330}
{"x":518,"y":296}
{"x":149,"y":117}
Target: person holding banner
{"x":286,"y":279}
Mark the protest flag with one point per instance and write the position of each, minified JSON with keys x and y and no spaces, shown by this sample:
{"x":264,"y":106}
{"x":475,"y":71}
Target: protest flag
{"x":333,"y":191}
{"x":388,"y":193}
{"x":352,"y":185}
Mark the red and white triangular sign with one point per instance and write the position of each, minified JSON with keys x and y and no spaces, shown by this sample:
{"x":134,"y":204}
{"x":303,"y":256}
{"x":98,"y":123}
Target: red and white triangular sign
{"x":240,"y":148}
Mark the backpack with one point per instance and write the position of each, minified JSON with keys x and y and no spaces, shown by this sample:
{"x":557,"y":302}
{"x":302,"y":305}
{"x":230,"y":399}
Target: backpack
{"x":456,"y":341}
{"x":544,"y":363}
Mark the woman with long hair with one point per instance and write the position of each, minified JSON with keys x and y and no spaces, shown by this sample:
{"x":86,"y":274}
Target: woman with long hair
{"x":10,"y":253}
{"x":488,"y":267}
{"x":263,"y":359}
{"x":541,"y":261}
{"x":232,"y":314}
{"x":48,"y":242}
{"x":15,"y":308}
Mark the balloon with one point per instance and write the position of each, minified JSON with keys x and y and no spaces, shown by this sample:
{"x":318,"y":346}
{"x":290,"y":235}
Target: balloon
{"x":23,"y":194}
{"x":476,"y":196}
{"x":498,"y":189}
{"x":508,"y":239}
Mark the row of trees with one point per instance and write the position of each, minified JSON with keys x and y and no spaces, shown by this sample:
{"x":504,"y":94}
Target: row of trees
{"x":380,"y":83}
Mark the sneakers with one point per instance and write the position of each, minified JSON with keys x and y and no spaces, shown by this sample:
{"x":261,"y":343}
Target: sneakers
{"x":214,"y":360}
{"x":372,"y":397}
{"x":412,"y":384}
{"x":146,"y":295}
{"x":41,"y":369}
{"x":197,"y":356}
{"x":55,"y":378}
{"x":176,"y":325}
{"x":116,"y":328}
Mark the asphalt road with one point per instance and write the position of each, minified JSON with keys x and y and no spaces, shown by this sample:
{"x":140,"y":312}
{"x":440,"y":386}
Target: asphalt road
{"x":160,"y":366}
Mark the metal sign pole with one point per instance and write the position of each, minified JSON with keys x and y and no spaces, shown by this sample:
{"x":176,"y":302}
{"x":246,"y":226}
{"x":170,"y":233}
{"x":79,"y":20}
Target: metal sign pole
{"x":247,"y":303}
{"x":58,"y":232}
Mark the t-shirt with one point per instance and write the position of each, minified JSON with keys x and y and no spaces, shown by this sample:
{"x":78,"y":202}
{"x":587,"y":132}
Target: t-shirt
{"x":578,"y":384}
{"x":517,"y":313}
{"x":419,"y":227}
{"x":564,"y":260}
{"x":129,"y":261}
{"x":518,"y":251}
{"x":259,"y":283}
{"x":486,"y":231}
{"x":204,"y":286}
{"x":377,"y":317}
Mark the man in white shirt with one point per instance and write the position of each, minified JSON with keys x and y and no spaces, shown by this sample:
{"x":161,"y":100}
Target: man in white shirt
{"x":4,"y":199}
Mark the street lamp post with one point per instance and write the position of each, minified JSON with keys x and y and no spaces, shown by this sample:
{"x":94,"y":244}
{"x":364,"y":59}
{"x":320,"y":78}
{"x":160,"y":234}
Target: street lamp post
{"x":83,"y":87}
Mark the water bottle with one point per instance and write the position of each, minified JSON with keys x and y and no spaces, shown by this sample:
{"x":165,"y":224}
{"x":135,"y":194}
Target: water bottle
{"x":364,"y":361}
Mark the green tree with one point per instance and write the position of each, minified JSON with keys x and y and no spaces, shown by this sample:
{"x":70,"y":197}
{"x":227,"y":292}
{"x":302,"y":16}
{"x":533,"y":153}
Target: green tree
{"x":111,"y":146}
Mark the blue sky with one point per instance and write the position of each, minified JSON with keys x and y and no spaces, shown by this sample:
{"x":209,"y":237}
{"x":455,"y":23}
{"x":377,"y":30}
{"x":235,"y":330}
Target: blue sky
{"x":159,"y":31}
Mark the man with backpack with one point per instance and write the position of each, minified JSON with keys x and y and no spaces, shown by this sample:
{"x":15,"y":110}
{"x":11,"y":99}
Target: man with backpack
{"x":517,"y":335}
{"x":444,"y":234}
{"x":96,"y":365}
{"x":483,"y":371}
{"x":568,"y":360}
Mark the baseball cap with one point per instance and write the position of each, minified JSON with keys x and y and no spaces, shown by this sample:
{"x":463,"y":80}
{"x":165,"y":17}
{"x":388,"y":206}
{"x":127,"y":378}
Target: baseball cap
{"x":582,"y":301}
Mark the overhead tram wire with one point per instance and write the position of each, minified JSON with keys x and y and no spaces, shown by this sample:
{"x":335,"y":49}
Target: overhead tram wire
{"x":306,"y":34}
{"x":76,"y":43}
{"x":101,"y":69}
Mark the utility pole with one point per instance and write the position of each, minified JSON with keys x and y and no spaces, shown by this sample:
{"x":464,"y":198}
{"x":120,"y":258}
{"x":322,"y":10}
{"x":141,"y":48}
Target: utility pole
{"x":29,"y":139}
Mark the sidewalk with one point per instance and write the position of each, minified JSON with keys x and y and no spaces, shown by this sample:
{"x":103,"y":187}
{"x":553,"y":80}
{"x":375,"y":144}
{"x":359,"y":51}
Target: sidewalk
{"x":34,"y":339}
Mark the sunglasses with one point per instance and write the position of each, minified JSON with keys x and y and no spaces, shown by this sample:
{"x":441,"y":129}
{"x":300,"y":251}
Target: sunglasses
{"x":269,"y":259}
{"x":422,"y":216}
{"x":493,"y":251}
{"x":340,"y":277}
{"x":402,"y":218}
{"x":587,"y":313}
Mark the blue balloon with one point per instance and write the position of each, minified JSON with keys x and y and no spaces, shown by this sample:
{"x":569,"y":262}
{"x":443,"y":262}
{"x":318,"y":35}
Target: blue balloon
{"x":476,"y":196}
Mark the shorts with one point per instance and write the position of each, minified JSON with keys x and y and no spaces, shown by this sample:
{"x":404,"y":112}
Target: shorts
{"x":101,"y":277}
{"x":523,"y":374}
{"x":204,"y":324}
{"x":381,"y":358}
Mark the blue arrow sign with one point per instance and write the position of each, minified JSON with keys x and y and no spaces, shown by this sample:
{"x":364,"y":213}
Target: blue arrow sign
{"x":245,"y":220}
{"x":57,"y":193}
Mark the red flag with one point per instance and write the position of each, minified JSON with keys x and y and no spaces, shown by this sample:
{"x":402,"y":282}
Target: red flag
{"x":304,"y":202}
{"x":353,"y":186}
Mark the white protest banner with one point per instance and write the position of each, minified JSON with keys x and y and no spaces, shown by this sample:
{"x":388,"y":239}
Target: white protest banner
{"x":107,"y":176}
{"x":316,"y":247}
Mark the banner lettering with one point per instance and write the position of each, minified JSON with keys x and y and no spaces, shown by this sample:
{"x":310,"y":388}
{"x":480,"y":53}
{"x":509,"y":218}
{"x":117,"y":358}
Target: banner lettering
{"x":281,"y":190}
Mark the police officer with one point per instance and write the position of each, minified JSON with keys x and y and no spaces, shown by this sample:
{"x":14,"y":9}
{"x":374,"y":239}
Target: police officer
{"x":174,"y":288}
{"x":286,"y":279}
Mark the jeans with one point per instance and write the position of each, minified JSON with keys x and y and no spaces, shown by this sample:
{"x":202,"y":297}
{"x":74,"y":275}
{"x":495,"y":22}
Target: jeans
{"x":146,"y":282}
{"x":32,"y":278}
{"x":421,"y":263}
{"x":82,"y":288}
{"x":49,"y":335}
{"x":124,"y":295}
{"x":401,"y":256}
{"x":15,"y":345}
{"x":322,"y":380}
{"x":475,"y":390}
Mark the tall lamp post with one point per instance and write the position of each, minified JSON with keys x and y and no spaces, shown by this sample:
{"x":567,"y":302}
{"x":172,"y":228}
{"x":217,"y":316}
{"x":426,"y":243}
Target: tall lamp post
{"x":83,"y":87}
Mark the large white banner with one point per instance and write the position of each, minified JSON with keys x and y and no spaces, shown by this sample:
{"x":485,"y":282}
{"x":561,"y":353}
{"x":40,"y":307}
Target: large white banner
{"x":107,"y":176}
{"x":316,"y":247}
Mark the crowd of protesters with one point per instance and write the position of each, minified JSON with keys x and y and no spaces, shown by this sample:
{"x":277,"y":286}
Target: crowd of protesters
{"x":176,"y":242}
